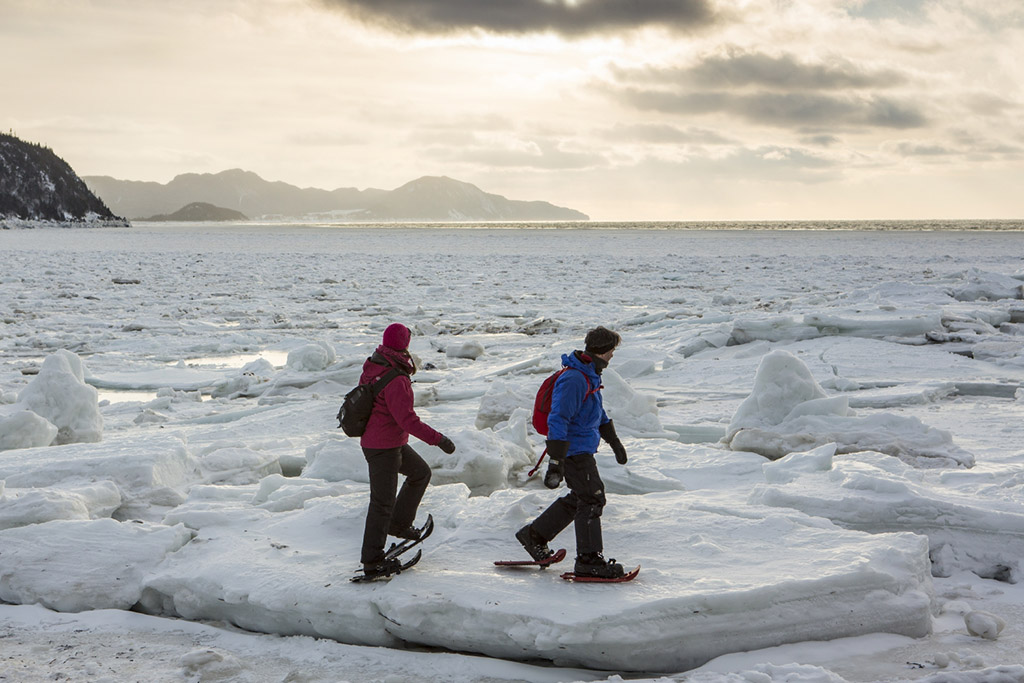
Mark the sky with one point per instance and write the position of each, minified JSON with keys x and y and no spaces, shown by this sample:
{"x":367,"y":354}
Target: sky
{"x":627,"y":110}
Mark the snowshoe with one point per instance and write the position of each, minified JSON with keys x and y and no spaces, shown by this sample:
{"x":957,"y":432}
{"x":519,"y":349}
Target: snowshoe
{"x":556,"y":556}
{"x":594,"y":565}
{"x":386,"y":568}
{"x":577,"y":578}
{"x":415,"y":539}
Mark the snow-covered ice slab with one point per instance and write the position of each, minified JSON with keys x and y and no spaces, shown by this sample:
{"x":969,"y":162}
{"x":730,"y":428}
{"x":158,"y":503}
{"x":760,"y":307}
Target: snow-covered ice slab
{"x":875,"y":493}
{"x":978,"y":284}
{"x":21,"y":507}
{"x":148,"y":470}
{"x":71,"y":566}
{"x":896,"y":324}
{"x":788,"y":411}
{"x":174,"y":377}
{"x":59,"y":395}
{"x":699,"y":594}
{"x":881,"y":325}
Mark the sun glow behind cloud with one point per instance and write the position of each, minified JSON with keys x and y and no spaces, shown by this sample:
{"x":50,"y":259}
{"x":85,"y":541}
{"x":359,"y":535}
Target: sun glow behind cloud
{"x":679,"y":110}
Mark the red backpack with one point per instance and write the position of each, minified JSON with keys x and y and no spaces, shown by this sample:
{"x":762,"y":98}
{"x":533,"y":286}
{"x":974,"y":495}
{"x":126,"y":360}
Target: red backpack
{"x":542,"y":406}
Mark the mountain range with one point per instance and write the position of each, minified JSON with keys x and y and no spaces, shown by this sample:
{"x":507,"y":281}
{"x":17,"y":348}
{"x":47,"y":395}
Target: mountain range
{"x":430,"y":198}
{"x":36,"y":185}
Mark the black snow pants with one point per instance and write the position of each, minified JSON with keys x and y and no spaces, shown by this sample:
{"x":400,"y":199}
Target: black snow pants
{"x":582,"y":505}
{"x":388,"y":513}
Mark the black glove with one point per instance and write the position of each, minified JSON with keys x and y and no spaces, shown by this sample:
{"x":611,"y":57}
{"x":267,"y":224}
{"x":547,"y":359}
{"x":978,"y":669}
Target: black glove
{"x":607,"y":432}
{"x":557,"y":450}
{"x":446,"y":445}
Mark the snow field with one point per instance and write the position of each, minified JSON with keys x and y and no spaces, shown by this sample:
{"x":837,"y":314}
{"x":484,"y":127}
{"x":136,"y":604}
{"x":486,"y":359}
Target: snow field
{"x":821,"y":434}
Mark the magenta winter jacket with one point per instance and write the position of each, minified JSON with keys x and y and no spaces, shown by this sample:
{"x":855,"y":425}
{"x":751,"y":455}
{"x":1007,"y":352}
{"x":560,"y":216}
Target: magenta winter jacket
{"x":393,"y":418}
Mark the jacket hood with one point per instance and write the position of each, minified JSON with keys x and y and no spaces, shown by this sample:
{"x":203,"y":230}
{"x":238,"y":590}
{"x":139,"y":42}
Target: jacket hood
{"x":386,"y":358}
{"x":587,"y":367}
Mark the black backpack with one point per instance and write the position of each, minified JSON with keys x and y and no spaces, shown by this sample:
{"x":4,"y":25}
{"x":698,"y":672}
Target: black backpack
{"x":358,"y":404}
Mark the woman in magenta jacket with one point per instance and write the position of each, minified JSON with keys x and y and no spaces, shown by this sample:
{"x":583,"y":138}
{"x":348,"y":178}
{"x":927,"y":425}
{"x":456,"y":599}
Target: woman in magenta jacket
{"x":385,"y":445}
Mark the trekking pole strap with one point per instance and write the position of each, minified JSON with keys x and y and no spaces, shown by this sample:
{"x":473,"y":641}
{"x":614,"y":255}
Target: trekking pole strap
{"x":537,"y":466}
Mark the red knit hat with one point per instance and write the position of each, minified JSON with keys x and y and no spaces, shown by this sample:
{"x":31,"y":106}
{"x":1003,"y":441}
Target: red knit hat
{"x":397,"y":336}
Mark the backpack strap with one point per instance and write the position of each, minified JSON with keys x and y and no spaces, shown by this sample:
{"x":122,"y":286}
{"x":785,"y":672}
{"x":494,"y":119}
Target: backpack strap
{"x":590,"y":389}
{"x":377,"y":385}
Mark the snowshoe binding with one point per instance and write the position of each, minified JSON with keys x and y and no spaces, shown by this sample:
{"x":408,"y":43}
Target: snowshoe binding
{"x":386,"y":568}
{"x":413,"y":538}
{"x":556,"y":556}
{"x":389,"y":565}
{"x":593,"y":568}
{"x":536,"y":546}
{"x":409,"y":533}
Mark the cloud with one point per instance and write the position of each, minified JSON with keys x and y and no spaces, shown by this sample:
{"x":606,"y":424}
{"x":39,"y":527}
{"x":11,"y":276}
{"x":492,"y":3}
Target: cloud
{"x":785,"y":72}
{"x":323,"y":139}
{"x":981,"y":146}
{"x":461,"y":131}
{"x":956,"y":144}
{"x":821,"y":140}
{"x":784,"y":109}
{"x":665,"y":134}
{"x":566,"y":17}
{"x":768,"y":163}
{"x":904,"y":10}
{"x":774,"y":90}
{"x":541,"y":155}
{"x":990,"y":104}
{"x":921,"y":149}
{"x":104,"y":125}
{"x":991,"y":15}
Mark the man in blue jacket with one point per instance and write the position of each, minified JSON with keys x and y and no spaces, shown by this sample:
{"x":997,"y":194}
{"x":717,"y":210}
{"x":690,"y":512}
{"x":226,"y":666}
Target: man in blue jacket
{"x":576,"y":424}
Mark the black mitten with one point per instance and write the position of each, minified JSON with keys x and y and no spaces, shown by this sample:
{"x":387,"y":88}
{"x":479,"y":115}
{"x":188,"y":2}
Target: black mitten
{"x":557,"y":452}
{"x":619,"y":450}
{"x":607,"y":432}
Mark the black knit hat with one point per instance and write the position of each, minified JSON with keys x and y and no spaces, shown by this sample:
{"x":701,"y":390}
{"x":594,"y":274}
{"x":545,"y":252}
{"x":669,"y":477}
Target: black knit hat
{"x":601,"y":340}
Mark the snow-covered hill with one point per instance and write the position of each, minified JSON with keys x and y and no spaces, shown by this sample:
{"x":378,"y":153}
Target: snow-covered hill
{"x":37,"y":186}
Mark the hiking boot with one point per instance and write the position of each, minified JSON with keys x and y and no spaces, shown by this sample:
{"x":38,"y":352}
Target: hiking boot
{"x":373,"y":570}
{"x":594,"y":564}
{"x":534,"y":544}
{"x":409,"y":533}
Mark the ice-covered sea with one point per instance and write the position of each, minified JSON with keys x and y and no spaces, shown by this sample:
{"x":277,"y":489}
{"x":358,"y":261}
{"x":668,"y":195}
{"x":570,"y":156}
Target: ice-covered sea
{"x":825,"y":435}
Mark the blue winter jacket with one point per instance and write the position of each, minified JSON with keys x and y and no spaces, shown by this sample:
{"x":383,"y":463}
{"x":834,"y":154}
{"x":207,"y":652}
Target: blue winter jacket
{"x":575,"y":417}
